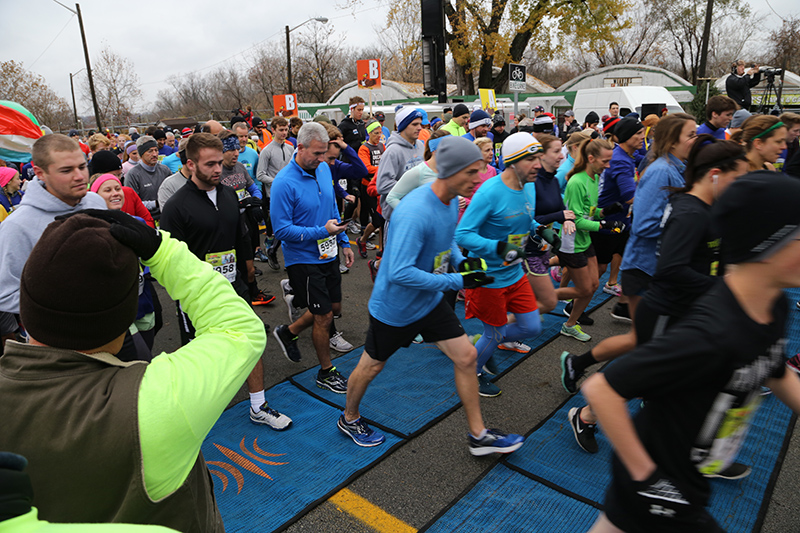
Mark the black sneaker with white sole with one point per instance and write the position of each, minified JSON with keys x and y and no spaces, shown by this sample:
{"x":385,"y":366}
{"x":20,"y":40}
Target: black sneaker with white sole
{"x":732,"y":471}
{"x":569,"y":376}
{"x":621,"y":312}
{"x":288,"y":342}
{"x":332,"y":380}
{"x":583,"y":320}
{"x":584,"y":433}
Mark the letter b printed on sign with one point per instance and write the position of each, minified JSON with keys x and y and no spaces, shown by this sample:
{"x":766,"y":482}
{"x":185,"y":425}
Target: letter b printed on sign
{"x":369,"y":73}
{"x":285,"y":105}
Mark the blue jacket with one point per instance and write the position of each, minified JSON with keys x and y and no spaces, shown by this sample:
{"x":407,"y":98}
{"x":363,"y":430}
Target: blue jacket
{"x":300,"y":205}
{"x":618,"y":183}
{"x":648,"y":208}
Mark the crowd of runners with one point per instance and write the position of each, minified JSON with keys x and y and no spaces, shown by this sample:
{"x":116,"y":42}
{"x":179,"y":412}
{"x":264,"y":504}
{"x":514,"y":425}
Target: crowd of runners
{"x":696,"y":226}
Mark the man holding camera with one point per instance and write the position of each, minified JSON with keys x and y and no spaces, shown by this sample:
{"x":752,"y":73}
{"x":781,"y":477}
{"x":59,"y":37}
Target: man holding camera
{"x":739,"y":83}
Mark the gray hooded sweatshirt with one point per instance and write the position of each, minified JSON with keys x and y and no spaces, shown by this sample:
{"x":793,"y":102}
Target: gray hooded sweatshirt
{"x":400,"y":156}
{"x":21,"y":231}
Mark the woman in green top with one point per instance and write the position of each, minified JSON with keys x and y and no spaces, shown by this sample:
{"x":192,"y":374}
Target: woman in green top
{"x":576,"y":252}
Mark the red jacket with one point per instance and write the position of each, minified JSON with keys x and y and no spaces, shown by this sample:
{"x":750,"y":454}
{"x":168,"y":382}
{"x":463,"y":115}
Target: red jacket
{"x":134,"y":207}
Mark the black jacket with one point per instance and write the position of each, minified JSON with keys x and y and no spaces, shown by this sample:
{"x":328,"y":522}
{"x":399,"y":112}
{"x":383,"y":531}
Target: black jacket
{"x":738,"y":88}
{"x":353,"y":131}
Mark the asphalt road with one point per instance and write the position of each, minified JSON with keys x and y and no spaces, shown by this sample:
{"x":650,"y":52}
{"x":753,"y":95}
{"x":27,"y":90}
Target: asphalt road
{"x":426,"y":474}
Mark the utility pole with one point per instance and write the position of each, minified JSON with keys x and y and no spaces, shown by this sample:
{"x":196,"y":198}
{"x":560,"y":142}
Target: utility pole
{"x":706,"y":38}
{"x":288,"y":61}
{"x":74,"y":107}
{"x":89,"y":69}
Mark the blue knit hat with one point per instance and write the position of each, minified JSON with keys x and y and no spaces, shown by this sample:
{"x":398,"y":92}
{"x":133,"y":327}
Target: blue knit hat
{"x":405,"y":116}
{"x":479,"y":117}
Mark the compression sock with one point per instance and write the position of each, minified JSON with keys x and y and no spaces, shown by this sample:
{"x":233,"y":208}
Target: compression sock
{"x":525,"y":326}
{"x":257,"y":400}
{"x":582,"y":362}
{"x":487,"y":344}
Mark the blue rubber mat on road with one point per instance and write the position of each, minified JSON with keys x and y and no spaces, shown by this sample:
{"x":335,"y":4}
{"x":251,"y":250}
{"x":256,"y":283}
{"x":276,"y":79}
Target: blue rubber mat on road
{"x":598,"y":299}
{"x":505,"y":500}
{"x":416,"y":386}
{"x":264,"y":479}
{"x":793,"y":324}
{"x":550,"y":453}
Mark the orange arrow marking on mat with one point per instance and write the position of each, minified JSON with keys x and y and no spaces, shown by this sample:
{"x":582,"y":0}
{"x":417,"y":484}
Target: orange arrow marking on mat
{"x":222,"y":477}
{"x":234,"y":472}
{"x":242,"y":461}
{"x":254,"y":457}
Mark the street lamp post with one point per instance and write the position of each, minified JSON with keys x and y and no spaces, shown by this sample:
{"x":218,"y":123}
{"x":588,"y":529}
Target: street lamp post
{"x":72,"y":89}
{"x":323,"y":20}
{"x":88,"y":63}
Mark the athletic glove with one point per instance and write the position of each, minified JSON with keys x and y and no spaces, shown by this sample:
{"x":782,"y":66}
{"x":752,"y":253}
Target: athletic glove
{"x":661,"y":496}
{"x":612,"y":209}
{"x":549,"y":236}
{"x":510,"y":253}
{"x":473,"y":280}
{"x":471,"y":264}
{"x":614,"y":226}
{"x":138,"y":236}
{"x":254,"y":205}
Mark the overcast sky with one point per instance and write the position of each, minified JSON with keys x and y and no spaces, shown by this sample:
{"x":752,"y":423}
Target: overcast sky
{"x":177,"y":36}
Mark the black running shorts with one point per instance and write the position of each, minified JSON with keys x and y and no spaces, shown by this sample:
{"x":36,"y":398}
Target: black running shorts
{"x":577,"y":260}
{"x":316,"y":286}
{"x":438,"y":325}
{"x":608,"y":244}
{"x":634,"y":281}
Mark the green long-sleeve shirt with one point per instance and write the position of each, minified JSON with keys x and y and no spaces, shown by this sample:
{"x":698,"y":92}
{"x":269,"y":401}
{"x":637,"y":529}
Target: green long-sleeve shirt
{"x":183,"y":393}
{"x":580,"y":197}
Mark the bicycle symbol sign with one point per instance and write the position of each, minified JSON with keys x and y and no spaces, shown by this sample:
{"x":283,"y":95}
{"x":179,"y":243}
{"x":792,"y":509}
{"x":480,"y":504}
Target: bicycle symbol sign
{"x":516,"y":77}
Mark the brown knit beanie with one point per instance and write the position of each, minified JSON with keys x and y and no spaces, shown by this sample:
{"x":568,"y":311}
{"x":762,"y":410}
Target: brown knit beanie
{"x":80,"y":286}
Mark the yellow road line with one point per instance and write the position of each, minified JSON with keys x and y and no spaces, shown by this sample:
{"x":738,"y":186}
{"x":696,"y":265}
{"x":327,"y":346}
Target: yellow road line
{"x":370,"y":514}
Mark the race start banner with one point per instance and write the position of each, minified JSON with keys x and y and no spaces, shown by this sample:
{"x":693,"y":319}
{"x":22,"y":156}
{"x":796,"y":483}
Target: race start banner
{"x":369,"y":73}
{"x":285,"y":105}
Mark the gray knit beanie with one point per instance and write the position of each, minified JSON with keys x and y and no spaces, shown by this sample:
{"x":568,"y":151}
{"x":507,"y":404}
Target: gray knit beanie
{"x":454,"y":154}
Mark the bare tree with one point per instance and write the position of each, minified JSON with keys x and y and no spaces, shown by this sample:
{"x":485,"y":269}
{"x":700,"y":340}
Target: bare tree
{"x":319,"y":66}
{"x":400,"y":37}
{"x":268,"y":73}
{"x":116,"y":85}
{"x":32,"y":92}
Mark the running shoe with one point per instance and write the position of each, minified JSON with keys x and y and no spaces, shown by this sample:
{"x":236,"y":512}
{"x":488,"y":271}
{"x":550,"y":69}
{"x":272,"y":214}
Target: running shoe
{"x":288,"y":342}
{"x":486,"y":388}
{"x":257,"y":271}
{"x":272,"y":259}
{"x":262,"y":298}
{"x":569,"y":377}
{"x":515,"y":346}
{"x":261,"y":256}
{"x":338,"y":343}
{"x":584,"y":433}
{"x":418,"y":339}
{"x":555,"y":273}
{"x":613,"y":290}
{"x":362,"y":249}
{"x":332,"y":380}
{"x":270,"y":417}
{"x":575,"y":332}
{"x":583,"y":320}
{"x":794,"y":363}
{"x":360,"y":432}
{"x":373,"y":269}
{"x":798,"y":305}
{"x":370,"y":246}
{"x":354,"y":228}
{"x":621,"y":312}
{"x":495,"y":441}
{"x":343,"y":269}
{"x":732,"y":471}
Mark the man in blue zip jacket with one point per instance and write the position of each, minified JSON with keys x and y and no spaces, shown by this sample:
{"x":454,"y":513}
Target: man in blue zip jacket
{"x":305,"y":218}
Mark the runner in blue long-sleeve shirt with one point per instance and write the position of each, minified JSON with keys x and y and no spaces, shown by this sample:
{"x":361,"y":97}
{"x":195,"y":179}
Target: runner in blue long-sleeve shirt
{"x":407,"y":299}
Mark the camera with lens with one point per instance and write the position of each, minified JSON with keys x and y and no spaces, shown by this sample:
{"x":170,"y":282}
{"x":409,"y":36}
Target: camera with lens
{"x":770,"y":73}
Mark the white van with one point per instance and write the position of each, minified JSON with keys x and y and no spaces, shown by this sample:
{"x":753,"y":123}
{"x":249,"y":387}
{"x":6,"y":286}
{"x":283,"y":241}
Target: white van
{"x":642,"y":100}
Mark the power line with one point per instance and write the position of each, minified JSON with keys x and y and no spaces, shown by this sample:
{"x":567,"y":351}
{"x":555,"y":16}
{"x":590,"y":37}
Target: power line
{"x":51,"y":42}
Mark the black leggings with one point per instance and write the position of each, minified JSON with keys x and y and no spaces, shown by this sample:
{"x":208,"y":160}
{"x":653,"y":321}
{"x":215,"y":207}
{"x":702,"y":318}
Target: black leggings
{"x":369,"y":209}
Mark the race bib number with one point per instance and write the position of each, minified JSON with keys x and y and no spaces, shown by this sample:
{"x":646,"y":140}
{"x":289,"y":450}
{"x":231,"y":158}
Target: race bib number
{"x":729,"y":437}
{"x":441,"y":263}
{"x":242,"y":194}
{"x":224,"y":263}
{"x":518,"y":240}
{"x":327,"y":247}
{"x":343,"y":183}
{"x":141,"y":280}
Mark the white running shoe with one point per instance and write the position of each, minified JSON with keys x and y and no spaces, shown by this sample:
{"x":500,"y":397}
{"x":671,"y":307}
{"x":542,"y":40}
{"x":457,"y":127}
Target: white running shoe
{"x":270,"y":417}
{"x":343,"y":269}
{"x":515,"y":346}
{"x":338,"y":343}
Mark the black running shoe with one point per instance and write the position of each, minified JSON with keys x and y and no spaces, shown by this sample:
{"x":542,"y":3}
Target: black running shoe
{"x":288,"y":342}
{"x":569,"y":377}
{"x":272,"y":259}
{"x":584,"y":320}
{"x":732,"y":471}
{"x":584,"y":433}
{"x":621,"y":312}
{"x":332,"y":380}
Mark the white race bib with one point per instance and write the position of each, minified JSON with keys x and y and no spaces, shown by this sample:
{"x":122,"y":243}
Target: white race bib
{"x":224,"y":263}
{"x":242,"y":194}
{"x":327,"y":247}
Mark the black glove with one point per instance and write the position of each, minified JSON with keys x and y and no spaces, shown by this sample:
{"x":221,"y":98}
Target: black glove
{"x":660,"y":493}
{"x":473,"y":280}
{"x":549,"y":236}
{"x":471,"y":264}
{"x":250,"y":201}
{"x":613,"y":226}
{"x":138,"y":236}
{"x":612,"y":209}
{"x":510,"y":253}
